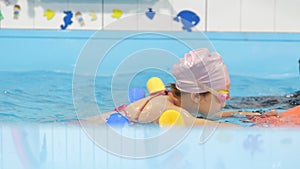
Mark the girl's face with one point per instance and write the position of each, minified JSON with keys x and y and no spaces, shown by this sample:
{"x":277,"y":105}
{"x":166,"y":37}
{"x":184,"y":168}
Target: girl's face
{"x":209,"y":105}
{"x":213,"y":103}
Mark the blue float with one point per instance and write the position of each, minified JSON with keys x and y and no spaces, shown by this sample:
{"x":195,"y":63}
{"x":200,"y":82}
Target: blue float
{"x":136,"y":94}
{"x":117,"y":120}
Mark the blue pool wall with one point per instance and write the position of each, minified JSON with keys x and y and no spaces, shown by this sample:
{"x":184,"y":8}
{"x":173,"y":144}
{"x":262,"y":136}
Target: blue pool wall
{"x":253,"y":54}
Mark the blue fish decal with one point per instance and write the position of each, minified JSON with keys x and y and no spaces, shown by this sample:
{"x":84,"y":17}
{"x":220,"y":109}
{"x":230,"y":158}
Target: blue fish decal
{"x":150,"y":14}
{"x":67,"y":20}
{"x":189,"y":19}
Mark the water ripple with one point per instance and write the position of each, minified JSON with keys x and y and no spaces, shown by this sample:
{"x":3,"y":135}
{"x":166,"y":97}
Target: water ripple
{"x":44,"y":96}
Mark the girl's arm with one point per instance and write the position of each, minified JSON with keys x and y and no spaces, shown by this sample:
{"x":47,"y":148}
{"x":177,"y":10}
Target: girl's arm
{"x":203,"y":122}
{"x":191,"y":120}
{"x":237,"y":114}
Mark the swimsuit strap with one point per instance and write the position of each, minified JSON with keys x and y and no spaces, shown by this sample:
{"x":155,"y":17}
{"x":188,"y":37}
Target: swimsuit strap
{"x":121,"y":108}
{"x":172,"y":97}
{"x":153,"y":95}
{"x":137,"y":115}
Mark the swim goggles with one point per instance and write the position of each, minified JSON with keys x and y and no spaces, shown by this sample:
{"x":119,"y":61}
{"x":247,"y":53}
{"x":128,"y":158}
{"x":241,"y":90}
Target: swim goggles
{"x":222,"y":95}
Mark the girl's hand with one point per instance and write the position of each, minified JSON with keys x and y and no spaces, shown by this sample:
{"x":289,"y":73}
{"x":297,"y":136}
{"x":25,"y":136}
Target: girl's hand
{"x":272,"y":112}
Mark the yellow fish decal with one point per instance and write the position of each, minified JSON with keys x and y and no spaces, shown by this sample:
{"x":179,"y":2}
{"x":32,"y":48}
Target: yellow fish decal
{"x":49,"y":14}
{"x":117,"y":13}
{"x":93,"y":15}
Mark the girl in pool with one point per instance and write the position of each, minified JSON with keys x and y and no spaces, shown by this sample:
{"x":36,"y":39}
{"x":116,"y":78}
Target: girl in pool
{"x":201,"y":90}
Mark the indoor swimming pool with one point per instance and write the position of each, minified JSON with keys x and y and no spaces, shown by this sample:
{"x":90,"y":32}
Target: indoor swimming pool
{"x":41,"y":77}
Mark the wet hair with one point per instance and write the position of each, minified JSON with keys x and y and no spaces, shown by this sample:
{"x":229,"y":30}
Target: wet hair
{"x":173,"y":89}
{"x":178,"y":93}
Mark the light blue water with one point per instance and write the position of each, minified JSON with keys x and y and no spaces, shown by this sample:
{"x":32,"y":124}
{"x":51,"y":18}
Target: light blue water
{"x":44,"y":96}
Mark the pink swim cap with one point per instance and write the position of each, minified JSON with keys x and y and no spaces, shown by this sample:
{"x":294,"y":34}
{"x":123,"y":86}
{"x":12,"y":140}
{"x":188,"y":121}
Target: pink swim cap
{"x":200,"y":66}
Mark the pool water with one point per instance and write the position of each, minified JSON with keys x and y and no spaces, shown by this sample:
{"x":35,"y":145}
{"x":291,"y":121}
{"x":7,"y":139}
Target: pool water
{"x":45,"y":96}
{"x":36,"y":102}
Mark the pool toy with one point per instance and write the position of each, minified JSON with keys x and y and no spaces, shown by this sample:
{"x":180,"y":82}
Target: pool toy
{"x":117,"y":13}
{"x":79,"y":18}
{"x":136,"y":94}
{"x":17,"y":9}
{"x":1,"y":16}
{"x":150,"y":14}
{"x":49,"y":14}
{"x":293,"y":112}
{"x":170,"y":117}
{"x":67,"y":20}
{"x":189,"y":19}
{"x":155,"y":85}
{"x":288,"y":118}
{"x":93,"y":15}
{"x":117,"y":119}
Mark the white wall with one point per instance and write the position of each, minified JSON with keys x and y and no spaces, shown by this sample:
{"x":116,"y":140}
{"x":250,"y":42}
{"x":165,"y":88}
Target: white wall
{"x":253,"y":15}
{"x":216,"y":15}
